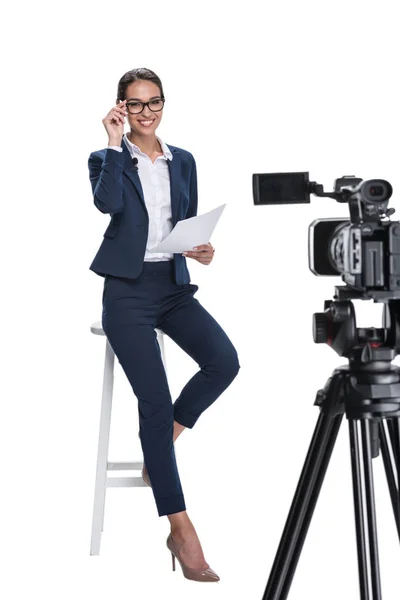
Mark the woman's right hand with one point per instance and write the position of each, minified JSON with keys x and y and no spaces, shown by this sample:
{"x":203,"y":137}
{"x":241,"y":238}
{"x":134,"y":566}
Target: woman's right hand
{"x":114,"y":123}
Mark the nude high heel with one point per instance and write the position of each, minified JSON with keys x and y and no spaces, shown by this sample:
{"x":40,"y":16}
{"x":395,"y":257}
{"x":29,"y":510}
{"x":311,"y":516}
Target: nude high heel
{"x":195,"y":574}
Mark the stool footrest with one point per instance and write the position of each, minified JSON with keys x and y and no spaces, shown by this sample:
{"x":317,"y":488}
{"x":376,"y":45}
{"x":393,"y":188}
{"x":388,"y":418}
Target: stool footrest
{"x":124,"y":466}
{"x":125,"y":482}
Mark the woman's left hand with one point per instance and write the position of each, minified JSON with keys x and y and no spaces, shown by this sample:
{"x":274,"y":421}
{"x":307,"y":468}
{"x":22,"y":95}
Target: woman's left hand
{"x":203,"y":253}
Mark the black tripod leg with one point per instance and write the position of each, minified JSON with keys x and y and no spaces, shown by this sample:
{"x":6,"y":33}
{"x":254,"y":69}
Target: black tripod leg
{"x":311,"y":505}
{"x":394,"y":432}
{"x":374,"y":439}
{"x":371,"y":516}
{"x":358,"y":510}
{"x":366,"y":426}
{"x":387,"y":461}
{"x":394,"y":425}
{"x":304,"y":502}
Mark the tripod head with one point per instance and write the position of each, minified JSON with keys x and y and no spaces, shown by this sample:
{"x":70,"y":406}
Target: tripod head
{"x":336,"y":326}
{"x":371,"y":384}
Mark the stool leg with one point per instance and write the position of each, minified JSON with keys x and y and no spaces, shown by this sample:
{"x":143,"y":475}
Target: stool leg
{"x":160,"y":339}
{"x":102,"y":453}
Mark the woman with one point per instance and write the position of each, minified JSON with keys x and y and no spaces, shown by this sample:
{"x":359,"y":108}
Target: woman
{"x":146,"y":187}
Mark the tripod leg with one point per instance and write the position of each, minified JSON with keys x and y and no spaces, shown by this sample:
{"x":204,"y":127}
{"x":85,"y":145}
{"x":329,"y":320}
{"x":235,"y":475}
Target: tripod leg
{"x":394,"y":429}
{"x":366,"y":437}
{"x":394,"y":432}
{"x":311,"y":505}
{"x":358,"y":510}
{"x":387,"y":461}
{"x":366,"y":426}
{"x":303,"y":503}
{"x":374,"y":439}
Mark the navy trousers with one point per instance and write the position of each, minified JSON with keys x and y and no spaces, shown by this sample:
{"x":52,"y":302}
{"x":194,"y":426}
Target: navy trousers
{"x":132,"y":308}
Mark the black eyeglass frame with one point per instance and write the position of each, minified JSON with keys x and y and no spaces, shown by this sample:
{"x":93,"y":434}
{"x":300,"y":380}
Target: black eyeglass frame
{"x":146,"y":104}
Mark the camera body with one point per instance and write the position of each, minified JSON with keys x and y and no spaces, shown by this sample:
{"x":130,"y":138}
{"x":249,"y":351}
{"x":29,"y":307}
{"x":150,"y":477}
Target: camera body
{"x":366,"y":255}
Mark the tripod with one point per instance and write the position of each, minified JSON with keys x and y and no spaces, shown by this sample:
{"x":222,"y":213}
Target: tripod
{"x":368,"y":391}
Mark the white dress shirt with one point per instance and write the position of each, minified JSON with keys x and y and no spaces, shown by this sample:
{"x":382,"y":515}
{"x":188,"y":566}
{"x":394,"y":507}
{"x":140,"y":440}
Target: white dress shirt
{"x":157,"y":195}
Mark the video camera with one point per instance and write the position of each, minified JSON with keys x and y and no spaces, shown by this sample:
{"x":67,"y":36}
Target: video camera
{"x":364,"y":250}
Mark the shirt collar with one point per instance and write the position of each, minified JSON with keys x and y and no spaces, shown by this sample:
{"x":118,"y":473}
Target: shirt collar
{"x":135,"y":149}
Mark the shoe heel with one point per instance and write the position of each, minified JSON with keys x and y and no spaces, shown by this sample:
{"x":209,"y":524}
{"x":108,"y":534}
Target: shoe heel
{"x":173,"y":561}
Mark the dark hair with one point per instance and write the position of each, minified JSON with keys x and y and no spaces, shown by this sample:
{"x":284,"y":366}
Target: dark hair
{"x":135,"y":75}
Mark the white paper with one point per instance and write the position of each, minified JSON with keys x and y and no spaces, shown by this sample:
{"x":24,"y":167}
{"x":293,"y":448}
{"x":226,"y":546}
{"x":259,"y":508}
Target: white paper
{"x":190,"y":232}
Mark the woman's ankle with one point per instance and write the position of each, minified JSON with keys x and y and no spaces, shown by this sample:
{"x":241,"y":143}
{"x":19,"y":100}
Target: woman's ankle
{"x":183,"y":532}
{"x":180,"y":523}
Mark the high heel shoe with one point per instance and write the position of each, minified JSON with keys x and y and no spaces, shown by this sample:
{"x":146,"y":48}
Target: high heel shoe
{"x":195,"y":574}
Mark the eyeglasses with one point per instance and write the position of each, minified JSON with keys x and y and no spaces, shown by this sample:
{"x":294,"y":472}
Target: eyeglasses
{"x":137,"y":107}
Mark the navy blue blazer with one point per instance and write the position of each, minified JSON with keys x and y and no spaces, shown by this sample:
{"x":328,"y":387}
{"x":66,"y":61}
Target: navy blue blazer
{"x":117,"y":190}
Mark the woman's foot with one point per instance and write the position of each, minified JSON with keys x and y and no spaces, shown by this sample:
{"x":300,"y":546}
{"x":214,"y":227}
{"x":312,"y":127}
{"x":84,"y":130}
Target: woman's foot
{"x":189,"y":546}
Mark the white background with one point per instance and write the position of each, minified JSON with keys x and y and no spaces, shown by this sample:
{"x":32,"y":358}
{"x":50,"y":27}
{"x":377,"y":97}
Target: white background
{"x":251,"y":87}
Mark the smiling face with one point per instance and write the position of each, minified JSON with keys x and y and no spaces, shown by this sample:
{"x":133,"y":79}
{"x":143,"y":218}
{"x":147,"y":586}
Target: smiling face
{"x":146,"y":122}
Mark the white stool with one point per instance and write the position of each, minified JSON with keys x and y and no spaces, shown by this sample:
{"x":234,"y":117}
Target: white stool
{"x":103,"y":466}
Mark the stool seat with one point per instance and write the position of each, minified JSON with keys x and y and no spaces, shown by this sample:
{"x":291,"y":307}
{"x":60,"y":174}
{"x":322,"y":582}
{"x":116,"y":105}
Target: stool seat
{"x":97,"y":328}
{"x":103,"y":464}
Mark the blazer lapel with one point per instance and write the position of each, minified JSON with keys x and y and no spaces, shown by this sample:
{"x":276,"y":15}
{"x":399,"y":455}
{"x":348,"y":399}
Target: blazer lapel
{"x":174,"y":167}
